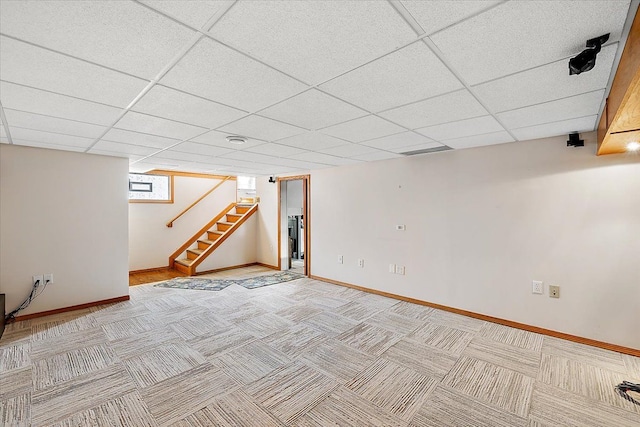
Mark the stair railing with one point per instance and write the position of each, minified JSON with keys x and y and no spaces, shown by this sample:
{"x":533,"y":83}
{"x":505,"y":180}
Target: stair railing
{"x":185,"y":210}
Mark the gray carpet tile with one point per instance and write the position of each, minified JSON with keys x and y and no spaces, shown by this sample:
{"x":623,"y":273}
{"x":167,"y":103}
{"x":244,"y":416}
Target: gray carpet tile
{"x":298,"y":312}
{"x":399,"y":390}
{"x":337,"y":360}
{"x":61,"y":326}
{"x":369,"y":339}
{"x":357,"y":311}
{"x":16,"y":411}
{"x":527,"y":362}
{"x":16,"y":333}
{"x":595,"y":356}
{"x":295,"y":340}
{"x":427,"y":360}
{"x":241,"y":313}
{"x":199,"y":325}
{"x":140,"y":343}
{"x":330,"y":324}
{"x":394,"y":322}
{"x":272,"y":302}
{"x":633,"y":365}
{"x":514,"y":337}
{"x":15,"y":382}
{"x":447,"y":407}
{"x":376,"y":301}
{"x":221,"y":340}
{"x":444,"y":337}
{"x":414,"y":311}
{"x":251,"y":361}
{"x":64,"y":343}
{"x":328,"y":302}
{"x":457,"y":321}
{"x":129,"y":327}
{"x":265,"y":325}
{"x":15,"y":356}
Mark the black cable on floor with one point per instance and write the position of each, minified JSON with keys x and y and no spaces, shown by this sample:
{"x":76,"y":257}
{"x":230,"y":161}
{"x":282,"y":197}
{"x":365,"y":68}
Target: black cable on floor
{"x":32,"y":295}
{"x":625,"y":387}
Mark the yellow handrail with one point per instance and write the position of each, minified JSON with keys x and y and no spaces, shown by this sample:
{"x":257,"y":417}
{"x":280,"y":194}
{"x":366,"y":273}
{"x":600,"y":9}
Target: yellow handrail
{"x":170,"y":223}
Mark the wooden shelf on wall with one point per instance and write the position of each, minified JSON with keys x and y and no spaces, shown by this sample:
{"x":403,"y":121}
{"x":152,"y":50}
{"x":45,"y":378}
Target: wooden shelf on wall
{"x":620,"y":121}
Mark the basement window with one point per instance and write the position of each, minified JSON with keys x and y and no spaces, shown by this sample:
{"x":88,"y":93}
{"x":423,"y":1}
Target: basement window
{"x":147,"y":188}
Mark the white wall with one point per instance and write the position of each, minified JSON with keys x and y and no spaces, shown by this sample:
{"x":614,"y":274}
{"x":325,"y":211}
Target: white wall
{"x":267,"y":222}
{"x":151,"y":241}
{"x":62,"y":213}
{"x":482,"y":223}
{"x":238,"y":249}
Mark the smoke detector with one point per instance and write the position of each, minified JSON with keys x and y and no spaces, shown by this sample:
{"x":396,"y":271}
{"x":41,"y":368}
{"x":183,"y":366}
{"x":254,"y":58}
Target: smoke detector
{"x":236,"y":140}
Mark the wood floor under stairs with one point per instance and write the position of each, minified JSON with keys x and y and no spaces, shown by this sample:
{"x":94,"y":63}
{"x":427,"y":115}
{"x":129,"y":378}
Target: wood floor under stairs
{"x":210,"y":237}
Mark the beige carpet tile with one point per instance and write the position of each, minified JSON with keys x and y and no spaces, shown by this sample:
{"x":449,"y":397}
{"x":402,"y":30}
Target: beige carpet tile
{"x":430,"y":361}
{"x":128,"y":327}
{"x":295,"y":340}
{"x":56,"y":403}
{"x":377,"y":301}
{"x":65,"y":343}
{"x":343,"y":407}
{"x":446,"y":407}
{"x":251,"y":362}
{"x":369,"y":339}
{"x":265,"y":325}
{"x":291,"y":391}
{"x":15,"y":382}
{"x":443,"y":337}
{"x":586,"y":380}
{"x":633,"y":365}
{"x":16,"y":411}
{"x":330,"y":324}
{"x":328,"y":302}
{"x":241,"y":313}
{"x":301,"y":294}
{"x":356,"y":311}
{"x":514,"y":337}
{"x":127,"y":410}
{"x":15,"y":356}
{"x":527,"y":362}
{"x":196,"y":326}
{"x":65,"y":366}
{"x":171,"y":400}
{"x":394,"y":322}
{"x":170,"y":302}
{"x":162,"y":362}
{"x":337,"y":360}
{"x":413,"y":311}
{"x":551,"y":406}
{"x":222,"y":340}
{"x":232,"y":409}
{"x":298,"y":312}
{"x":273,"y":302}
{"x":596,"y":356}
{"x":117,"y":312}
{"x":134,"y":345}
{"x":327,"y":288}
{"x":506,"y":389}
{"x":397,"y":389}
{"x":457,"y":321}
{"x":55,"y":328}
{"x":16,"y":333}
{"x":64,"y":317}
{"x":348,"y":293}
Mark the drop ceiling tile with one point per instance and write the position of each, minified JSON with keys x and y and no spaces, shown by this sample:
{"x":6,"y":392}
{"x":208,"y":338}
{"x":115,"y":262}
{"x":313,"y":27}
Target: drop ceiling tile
{"x":273,"y":149}
{"x":123,"y":35}
{"x":313,"y":41}
{"x":405,"y":139}
{"x":216,"y":72}
{"x":184,"y":157}
{"x":175,"y":105}
{"x":18,"y":133}
{"x":410,"y":74}
{"x":458,"y":105}
{"x":436,"y":15}
{"x":546,"y":83}
{"x":572,"y":107}
{"x":219,"y":139}
{"x":123,"y":149}
{"x":52,"y":124}
{"x":3,"y":134}
{"x":377,"y":155}
{"x":40,"y":102}
{"x":131,"y":157}
{"x":203,"y":149}
{"x":251,"y":157}
{"x":418,"y":147}
{"x":362,"y":129}
{"x":563,"y":127}
{"x":468,"y":127}
{"x":348,"y":150}
{"x":526,"y":34}
{"x":38,"y":144}
{"x":194,"y":13}
{"x":479,"y":140}
{"x":261,"y":128}
{"x":39,"y":68}
{"x":137,"y":138}
{"x":312,"y":110}
{"x":324,"y":159}
{"x":313,"y":141}
{"x":156,"y":126}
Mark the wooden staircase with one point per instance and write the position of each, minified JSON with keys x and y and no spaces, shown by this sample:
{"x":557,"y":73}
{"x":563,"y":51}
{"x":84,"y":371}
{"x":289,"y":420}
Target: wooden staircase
{"x":208,"y":238}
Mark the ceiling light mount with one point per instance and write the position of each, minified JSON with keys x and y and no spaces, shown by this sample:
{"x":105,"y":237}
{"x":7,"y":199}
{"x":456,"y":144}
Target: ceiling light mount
{"x":586,"y":59}
{"x":235,"y":139}
{"x":574,"y":140}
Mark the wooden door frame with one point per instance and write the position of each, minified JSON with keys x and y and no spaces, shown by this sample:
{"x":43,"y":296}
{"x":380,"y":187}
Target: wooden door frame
{"x":306,"y":223}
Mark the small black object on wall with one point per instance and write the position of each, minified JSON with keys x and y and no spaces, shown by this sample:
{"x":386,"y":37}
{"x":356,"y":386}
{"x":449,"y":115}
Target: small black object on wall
{"x":574,"y":140}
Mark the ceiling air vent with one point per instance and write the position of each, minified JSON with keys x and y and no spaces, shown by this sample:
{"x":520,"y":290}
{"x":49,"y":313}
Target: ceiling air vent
{"x":426,"y":151}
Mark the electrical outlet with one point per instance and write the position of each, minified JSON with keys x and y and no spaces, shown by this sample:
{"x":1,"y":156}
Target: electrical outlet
{"x":401,"y":227}
{"x":392,"y":268}
{"x":400,"y":269}
{"x":361,"y":263}
{"x":554,"y":291}
{"x":48,"y":278}
{"x":38,"y":280}
{"x":340,"y":259}
{"x":537,"y":287}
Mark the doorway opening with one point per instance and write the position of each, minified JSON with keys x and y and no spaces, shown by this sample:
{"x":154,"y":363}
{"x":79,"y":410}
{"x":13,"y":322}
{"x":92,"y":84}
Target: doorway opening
{"x":293,"y":224}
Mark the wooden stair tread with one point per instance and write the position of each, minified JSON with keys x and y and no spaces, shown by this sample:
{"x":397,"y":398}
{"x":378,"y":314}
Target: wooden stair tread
{"x":185,"y":261}
{"x":225,"y":223}
{"x":215,"y":232}
{"x":208,"y":242}
{"x":196,"y":251}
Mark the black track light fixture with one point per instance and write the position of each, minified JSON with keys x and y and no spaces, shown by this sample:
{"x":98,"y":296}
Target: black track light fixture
{"x":586,"y":59}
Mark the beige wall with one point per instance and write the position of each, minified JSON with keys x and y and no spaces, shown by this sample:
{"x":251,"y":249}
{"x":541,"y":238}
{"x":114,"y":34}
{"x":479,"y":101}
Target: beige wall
{"x":482,"y":223}
{"x":267,"y":222}
{"x":63,"y":213}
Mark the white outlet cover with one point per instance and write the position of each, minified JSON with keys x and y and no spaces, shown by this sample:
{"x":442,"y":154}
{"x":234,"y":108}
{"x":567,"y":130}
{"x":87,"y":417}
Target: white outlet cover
{"x":361,"y":262}
{"x":537,"y":287}
{"x":340,"y":259}
{"x":400,"y":269}
{"x":392,"y":268}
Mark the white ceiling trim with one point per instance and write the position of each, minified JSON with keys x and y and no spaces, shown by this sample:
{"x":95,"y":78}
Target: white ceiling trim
{"x":5,"y":124}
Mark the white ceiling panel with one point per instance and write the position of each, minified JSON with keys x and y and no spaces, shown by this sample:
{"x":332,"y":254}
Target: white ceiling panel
{"x":436,"y":15}
{"x":38,"y":144}
{"x":410,"y":74}
{"x":513,"y":44}
{"x":313,"y":110}
{"x":156,"y":126}
{"x":479,"y":140}
{"x":377,"y":155}
{"x":52,"y":124}
{"x":324,"y":159}
{"x":313,"y":41}
{"x":202,"y":149}
{"x":313,"y":141}
{"x":364,"y":128}
{"x":40,"y":102}
{"x":405,"y":139}
{"x":194,"y":13}
{"x":117,"y":147}
{"x":216,"y":72}
{"x":425,"y":146}
{"x":261,"y":128}
{"x":131,"y":157}
{"x":31,"y":66}
{"x":349,"y":150}
{"x":251,"y":157}
{"x":468,"y":127}
{"x":142,"y":167}
{"x":49,"y":137}
{"x":175,"y":105}
{"x":138,"y":138}
{"x":580,"y":124}
{"x":586,"y":104}
{"x":219,"y":139}
{"x":122,"y":35}
{"x":546,"y":83}
{"x":3,"y":134}
{"x":450,"y":107}
{"x":278,"y":150}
